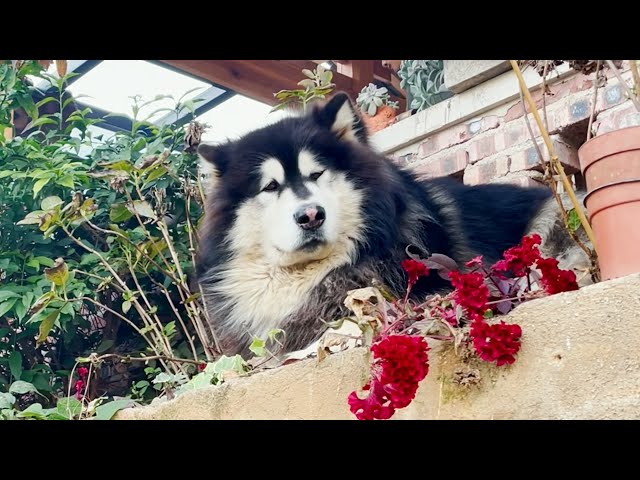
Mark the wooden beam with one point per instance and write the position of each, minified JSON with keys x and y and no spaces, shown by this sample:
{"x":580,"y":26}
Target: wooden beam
{"x":256,"y":79}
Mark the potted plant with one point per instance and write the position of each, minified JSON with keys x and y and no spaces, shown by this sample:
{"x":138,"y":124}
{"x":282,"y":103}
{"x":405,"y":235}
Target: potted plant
{"x":379,"y":111}
{"x":610,"y":164}
{"x":423,"y":81}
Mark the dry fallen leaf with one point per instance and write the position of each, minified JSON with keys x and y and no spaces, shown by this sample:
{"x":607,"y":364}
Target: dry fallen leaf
{"x":364,"y":302}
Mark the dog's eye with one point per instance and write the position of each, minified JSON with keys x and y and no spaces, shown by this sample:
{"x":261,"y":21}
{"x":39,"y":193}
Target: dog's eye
{"x":316,"y":175}
{"x":272,"y":186}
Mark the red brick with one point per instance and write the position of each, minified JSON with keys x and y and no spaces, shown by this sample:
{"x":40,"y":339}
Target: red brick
{"x":486,"y":170}
{"x":481,"y":148}
{"x":510,"y":134}
{"x":528,"y":159}
{"x":490,"y":122}
{"x":442,"y":140}
{"x":514,"y":112}
{"x":613,"y":119}
{"x":443,"y":165}
{"x":428,"y":147}
{"x":522,"y":180}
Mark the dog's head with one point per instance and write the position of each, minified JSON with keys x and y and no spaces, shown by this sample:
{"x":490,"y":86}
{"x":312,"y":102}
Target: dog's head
{"x":287,"y":193}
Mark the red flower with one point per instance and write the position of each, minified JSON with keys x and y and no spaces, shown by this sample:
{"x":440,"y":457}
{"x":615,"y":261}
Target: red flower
{"x":400,"y":363}
{"x":79,"y":387}
{"x":375,"y":407}
{"x":498,"y":342}
{"x":555,"y":280}
{"x":82,"y":372}
{"x":415,"y":270}
{"x":202,"y":366}
{"x":519,"y":259}
{"x":470,"y":293}
{"x":474,"y":262}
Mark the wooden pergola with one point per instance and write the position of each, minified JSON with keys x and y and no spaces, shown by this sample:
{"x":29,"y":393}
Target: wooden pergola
{"x":260,"y":79}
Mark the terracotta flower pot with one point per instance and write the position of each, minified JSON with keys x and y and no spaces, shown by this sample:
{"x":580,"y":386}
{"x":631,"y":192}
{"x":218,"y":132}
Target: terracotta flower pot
{"x":384,"y":117}
{"x":610,"y":164}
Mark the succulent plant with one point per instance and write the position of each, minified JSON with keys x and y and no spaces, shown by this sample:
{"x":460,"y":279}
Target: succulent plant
{"x":423,"y":80}
{"x":371,"y":97}
{"x":316,"y":86}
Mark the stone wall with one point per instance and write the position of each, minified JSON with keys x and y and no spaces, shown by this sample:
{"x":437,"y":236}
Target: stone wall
{"x":480,"y":134}
{"x":578,"y":360}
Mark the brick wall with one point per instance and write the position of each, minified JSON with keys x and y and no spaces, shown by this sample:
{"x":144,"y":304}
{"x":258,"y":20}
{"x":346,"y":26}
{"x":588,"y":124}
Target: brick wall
{"x":497,"y":147}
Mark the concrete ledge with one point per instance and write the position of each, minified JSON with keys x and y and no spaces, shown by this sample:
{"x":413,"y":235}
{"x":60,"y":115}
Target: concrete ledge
{"x":459,"y":108}
{"x":579,"y":360}
{"x":461,"y":75}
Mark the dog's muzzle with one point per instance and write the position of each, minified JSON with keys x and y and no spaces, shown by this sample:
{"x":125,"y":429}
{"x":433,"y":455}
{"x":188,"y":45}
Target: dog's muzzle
{"x":310,"y":217}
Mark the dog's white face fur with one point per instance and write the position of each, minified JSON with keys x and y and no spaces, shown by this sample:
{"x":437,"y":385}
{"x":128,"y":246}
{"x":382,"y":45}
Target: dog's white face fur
{"x":268,"y":219}
{"x":275,"y":263}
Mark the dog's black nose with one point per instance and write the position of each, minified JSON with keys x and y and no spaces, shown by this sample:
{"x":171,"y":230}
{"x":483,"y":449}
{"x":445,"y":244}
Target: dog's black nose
{"x":310,"y":217}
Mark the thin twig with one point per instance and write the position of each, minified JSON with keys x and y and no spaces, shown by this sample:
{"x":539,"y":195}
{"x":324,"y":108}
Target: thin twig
{"x":544,"y":94}
{"x":623,"y":84}
{"x":633,"y":66}
{"x":127,"y":358}
{"x":552,"y":184}
{"x":593,"y":101}
{"x":554,"y":159}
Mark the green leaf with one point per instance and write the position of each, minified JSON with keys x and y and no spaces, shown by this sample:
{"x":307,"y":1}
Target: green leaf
{"x":573,"y":220}
{"x":35,"y":411}
{"x":119,"y":213}
{"x":20,"y":310}
{"x":44,"y":101}
{"x":42,"y":302}
{"x":47,"y":262}
{"x":6,"y":400}
{"x":143,"y":208}
{"x":7,"y":306}
{"x":46,"y":325}
{"x":108,"y":410}
{"x":39,"y":122}
{"x":4,"y":294}
{"x":15,"y":365}
{"x":21,"y":387}
{"x":58,"y":274}
{"x":157,"y":173}
{"x":26,"y":102}
{"x":66,"y":181}
{"x":39,"y":185}
{"x":225,"y":364}
{"x":257,"y":346}
{"x":69,"y":407}
{"x":126,"y":306}
{"x":50,"y":202}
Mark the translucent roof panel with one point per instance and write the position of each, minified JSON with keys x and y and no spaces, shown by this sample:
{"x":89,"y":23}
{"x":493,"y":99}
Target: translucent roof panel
{"x":235,"y":117}
{"x":111,"y":84}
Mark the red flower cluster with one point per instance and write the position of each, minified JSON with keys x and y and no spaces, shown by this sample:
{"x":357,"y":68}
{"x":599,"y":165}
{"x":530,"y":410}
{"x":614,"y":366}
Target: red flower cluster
{"x":415,"y":270}
{"x":496,"y":343}
{"x":80,"y":384}
{"x":519,"y":259}
{"x":400,"y":364}
{"x":470,"y":293}
{"x":554,"y":279}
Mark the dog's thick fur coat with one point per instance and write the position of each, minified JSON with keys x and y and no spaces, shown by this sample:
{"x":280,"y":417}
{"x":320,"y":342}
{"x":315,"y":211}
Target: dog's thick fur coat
{"x":262,"y":267}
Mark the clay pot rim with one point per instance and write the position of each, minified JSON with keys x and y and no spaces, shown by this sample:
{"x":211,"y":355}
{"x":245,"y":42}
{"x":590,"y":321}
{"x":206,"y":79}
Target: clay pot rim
{"x":604,"y":187}
{"x":598,"y":147}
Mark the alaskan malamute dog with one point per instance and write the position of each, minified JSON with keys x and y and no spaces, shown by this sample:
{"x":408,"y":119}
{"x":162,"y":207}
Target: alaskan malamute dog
{"x":303,"y":210}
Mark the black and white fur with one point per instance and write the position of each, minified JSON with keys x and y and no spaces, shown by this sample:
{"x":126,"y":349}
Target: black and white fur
{"x":304,"y":210}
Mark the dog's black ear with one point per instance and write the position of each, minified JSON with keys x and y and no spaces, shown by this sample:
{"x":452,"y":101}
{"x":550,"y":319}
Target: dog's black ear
{"x":342,"y":118}
{"x":215,"y":155}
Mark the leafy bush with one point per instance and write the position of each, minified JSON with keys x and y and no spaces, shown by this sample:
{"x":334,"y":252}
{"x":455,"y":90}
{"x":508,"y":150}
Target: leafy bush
{"x":97,"y":237}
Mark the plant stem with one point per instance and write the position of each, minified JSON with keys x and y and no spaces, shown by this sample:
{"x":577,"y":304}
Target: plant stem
{"x":554,"y":159}
{"x":127,"y":358}
{"x":623,"y":84}
{"x":593,"y":101}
